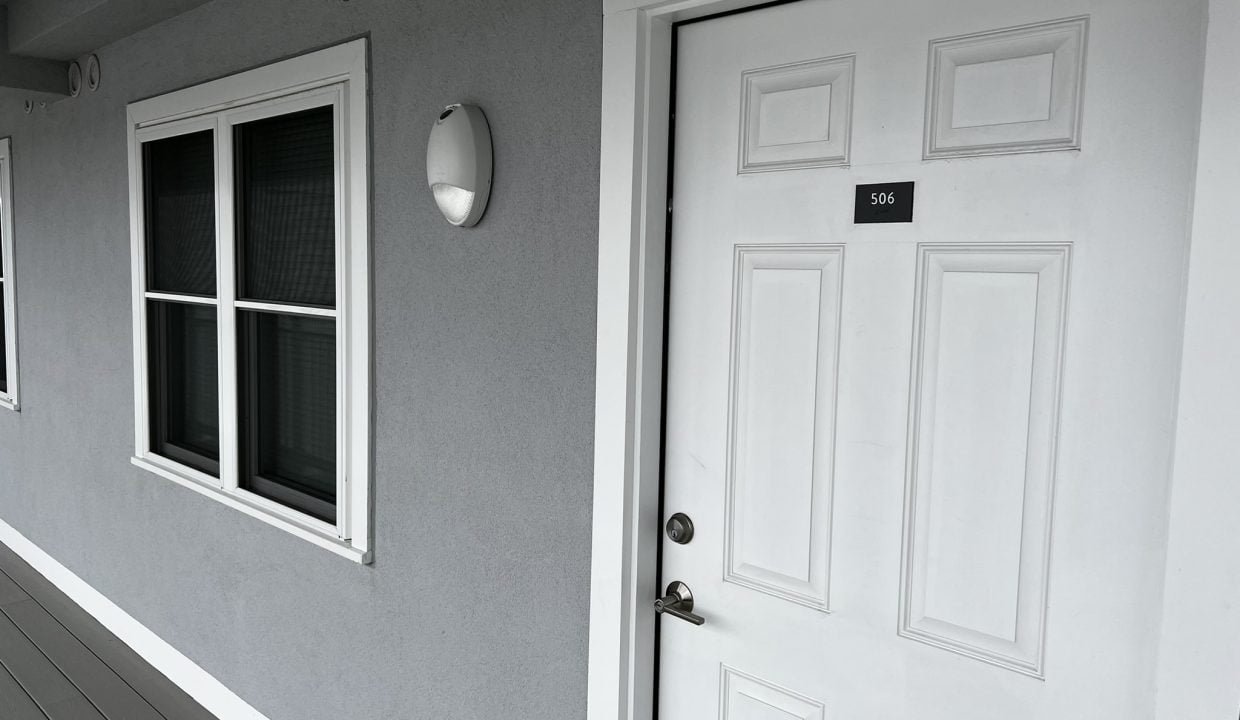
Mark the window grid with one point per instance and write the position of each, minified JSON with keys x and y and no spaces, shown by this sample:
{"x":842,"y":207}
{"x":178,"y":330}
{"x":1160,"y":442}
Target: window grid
{"x":344,"y":93}
{"x":229,"y":305}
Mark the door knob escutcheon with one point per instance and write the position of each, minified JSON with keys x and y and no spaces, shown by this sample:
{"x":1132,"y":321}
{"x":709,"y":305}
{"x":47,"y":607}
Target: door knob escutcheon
{"x":678,"y":602}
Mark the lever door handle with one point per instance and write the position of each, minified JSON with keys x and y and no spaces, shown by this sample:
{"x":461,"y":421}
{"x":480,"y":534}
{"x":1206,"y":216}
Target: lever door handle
{"x":678,"y":602}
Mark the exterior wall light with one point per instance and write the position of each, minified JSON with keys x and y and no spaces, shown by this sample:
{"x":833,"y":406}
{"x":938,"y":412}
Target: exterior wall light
{"x":458,"y":164}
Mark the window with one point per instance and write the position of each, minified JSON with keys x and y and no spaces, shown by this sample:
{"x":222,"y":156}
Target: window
{"x":251,"y":291}
{"x":8,"y":305}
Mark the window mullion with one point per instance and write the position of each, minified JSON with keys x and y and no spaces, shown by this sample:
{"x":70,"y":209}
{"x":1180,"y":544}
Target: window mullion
{"x":226,"y":277}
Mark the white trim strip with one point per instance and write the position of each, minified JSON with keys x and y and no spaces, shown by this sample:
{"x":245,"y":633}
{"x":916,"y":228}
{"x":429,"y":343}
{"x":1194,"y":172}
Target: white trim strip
{"x":330,"y":96}
{"x":284,"y":309}
{"x":185,"y":673}
{"x":226,"y":291}
{"x":175,"y":129}
{"x":628,"y":382}
{"x":187,"y":299}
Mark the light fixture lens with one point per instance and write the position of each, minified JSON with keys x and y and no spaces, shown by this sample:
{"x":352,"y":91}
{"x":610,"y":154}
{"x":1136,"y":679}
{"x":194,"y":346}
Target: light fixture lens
{"x":454,"y":202}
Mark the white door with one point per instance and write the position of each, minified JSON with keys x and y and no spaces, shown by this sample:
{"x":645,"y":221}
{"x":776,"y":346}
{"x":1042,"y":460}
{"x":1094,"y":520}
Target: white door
{"x":872,"y":426}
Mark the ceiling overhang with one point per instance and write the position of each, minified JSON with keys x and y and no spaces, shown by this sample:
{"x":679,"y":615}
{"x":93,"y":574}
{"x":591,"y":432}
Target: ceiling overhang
{"x":38,"y":38}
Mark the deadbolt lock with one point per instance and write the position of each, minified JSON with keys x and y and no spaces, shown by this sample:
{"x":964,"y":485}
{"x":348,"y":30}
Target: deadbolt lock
{"x":680,"y":529}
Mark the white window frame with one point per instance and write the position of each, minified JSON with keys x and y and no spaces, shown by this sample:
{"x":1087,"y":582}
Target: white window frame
{"x":335,"y":77}
{"x":9,"y":398}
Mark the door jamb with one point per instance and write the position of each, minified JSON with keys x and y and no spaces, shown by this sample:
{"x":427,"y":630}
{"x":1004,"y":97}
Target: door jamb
{"x":633,"y":163}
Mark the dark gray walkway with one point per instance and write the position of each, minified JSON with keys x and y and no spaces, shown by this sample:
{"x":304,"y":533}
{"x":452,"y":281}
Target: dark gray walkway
{"x":59,"y":663}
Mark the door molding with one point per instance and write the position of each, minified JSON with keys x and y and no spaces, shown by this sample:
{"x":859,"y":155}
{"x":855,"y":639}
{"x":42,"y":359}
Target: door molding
{"x":633,"y":164}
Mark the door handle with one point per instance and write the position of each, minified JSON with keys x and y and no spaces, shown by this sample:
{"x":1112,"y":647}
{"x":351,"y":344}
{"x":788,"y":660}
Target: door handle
{"x":678,"y":602}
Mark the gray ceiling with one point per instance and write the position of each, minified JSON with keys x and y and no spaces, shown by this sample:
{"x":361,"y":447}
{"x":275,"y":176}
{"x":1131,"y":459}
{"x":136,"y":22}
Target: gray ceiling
{"x":67,"y":29}
{"x":40,"y":36}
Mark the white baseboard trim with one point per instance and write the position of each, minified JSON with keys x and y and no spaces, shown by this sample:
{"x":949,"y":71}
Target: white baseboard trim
{"x":196,"y":682}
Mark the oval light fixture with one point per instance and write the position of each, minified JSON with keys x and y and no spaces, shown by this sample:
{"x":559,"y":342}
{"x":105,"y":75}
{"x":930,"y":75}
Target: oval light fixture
{"x":458,"y":164}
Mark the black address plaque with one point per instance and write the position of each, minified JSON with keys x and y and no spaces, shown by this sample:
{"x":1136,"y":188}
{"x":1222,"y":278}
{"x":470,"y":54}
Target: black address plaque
{"x":884,"y":203}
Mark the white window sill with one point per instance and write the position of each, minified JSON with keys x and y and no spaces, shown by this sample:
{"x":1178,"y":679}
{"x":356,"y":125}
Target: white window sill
{"x":304,"y":531}
{"x":9,"y":404}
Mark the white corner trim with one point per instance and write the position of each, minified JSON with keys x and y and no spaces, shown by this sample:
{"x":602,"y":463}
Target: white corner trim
{"x":628,"y":379}
{"x":185,"y":673}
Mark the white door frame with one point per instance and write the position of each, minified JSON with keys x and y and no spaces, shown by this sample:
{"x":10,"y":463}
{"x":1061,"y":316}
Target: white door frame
{"x":637,"y":65}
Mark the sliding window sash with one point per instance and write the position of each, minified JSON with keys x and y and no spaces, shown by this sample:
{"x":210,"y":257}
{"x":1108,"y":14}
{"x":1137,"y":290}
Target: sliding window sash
{"x":144,"y":352}
{"x":333,"y":97}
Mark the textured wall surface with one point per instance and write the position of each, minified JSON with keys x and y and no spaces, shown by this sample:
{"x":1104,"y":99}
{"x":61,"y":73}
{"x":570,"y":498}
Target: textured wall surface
{"x":484,"y":351}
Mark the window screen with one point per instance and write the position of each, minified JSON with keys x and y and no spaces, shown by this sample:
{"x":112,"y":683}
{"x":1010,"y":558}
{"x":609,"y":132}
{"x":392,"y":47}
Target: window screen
{"x":180,"y":214}
{"x":286,"y":211}
{"x":288,"y":406}
{"x":184,"y":384}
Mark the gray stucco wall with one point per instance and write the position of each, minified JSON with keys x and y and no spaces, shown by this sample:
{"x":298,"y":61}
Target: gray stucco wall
{"x":477,"y":604}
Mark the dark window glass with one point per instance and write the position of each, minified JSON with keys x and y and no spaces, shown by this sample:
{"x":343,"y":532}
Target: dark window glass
{"x":180,"y":214}
{"x":184,"y":384}
{"x":287,"y":373}
{"x":286,"y":209}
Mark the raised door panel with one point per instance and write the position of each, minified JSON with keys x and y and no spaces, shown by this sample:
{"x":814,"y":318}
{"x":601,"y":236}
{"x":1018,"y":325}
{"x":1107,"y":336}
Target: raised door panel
{"x":1007,"y":91}
{"x":988,"y":352}
{"x":797,"y":115}
{"x":782,"y":415}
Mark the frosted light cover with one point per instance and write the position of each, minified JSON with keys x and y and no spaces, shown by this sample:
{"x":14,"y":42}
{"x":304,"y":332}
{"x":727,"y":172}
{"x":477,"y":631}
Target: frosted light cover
{"x":454,"y":202}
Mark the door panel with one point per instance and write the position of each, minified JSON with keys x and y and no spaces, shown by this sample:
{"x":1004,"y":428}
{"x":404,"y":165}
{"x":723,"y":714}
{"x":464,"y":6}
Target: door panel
{"x":785,"y":339}
{"x":922,"y":484}
{"x":987,"y":360}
